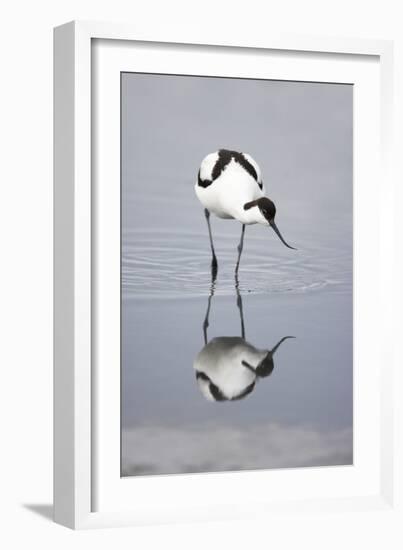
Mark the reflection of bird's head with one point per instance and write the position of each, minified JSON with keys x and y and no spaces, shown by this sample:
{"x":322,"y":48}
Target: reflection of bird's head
{"x":266,"y":366}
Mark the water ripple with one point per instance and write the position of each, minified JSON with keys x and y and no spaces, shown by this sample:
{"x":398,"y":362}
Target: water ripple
{"x":172,"y":264}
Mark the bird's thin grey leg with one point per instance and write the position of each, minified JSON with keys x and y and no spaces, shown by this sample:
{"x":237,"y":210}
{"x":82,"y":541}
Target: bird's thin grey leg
{"x":240,"y":248}
{"x":214,"y":263}
{"x":206,"y":317}
{"x":240,"y":307}
{"x":237,"y":290}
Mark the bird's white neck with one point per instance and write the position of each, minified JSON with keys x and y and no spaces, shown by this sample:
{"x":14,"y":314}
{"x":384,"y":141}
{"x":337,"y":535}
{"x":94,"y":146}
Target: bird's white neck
{"x":248,"y":217}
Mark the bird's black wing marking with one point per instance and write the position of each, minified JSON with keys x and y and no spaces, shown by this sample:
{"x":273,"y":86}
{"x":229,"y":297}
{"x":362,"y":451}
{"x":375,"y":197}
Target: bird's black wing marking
{"x":224,"y":158}
{"x":203,"y":183}
{"x":246,"y":165}
{"x":243,"y":161}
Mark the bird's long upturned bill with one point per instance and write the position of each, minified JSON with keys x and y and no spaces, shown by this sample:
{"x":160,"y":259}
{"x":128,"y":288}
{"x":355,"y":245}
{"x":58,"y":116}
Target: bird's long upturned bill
{"x":275,"y":229}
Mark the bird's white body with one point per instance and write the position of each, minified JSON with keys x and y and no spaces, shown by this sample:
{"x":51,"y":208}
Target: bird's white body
{"x":221,"y":360}
{"x":226,"y":195}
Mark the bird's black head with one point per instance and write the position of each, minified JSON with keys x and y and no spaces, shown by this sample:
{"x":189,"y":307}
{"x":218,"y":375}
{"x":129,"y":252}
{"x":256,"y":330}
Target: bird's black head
{"x":267,"y":208}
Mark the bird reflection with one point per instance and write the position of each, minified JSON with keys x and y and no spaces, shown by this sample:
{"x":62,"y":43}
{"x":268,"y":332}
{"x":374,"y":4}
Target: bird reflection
{"x":228,"y":367}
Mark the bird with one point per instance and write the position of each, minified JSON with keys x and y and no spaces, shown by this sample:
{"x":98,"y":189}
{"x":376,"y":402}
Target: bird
{"x":230,"y":186}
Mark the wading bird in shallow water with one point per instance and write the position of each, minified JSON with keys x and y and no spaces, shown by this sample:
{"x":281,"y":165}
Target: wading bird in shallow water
{"x":229,"y":185}
{"x":228,"y":367}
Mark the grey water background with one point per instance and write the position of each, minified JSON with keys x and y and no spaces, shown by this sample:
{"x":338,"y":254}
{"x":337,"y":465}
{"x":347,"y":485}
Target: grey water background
{"x":301,"y":136}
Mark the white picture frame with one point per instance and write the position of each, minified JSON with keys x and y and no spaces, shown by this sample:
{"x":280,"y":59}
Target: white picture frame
{"x":87,"y":491}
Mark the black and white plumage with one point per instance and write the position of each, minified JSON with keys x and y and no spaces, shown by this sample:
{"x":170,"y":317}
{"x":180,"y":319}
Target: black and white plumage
{"x":228,"y":367}
{"x":229,"y":185}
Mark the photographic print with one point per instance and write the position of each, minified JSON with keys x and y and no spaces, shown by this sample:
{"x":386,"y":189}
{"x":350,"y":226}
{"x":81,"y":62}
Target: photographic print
{"x":236,"y":274}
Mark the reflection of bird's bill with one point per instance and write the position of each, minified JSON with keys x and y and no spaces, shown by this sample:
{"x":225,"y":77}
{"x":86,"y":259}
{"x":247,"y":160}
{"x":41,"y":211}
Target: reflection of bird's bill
{"x":266,"y":366}
{"x":273,"y":351}
{"x":276,"y":230}
{"x":269,"y":354}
